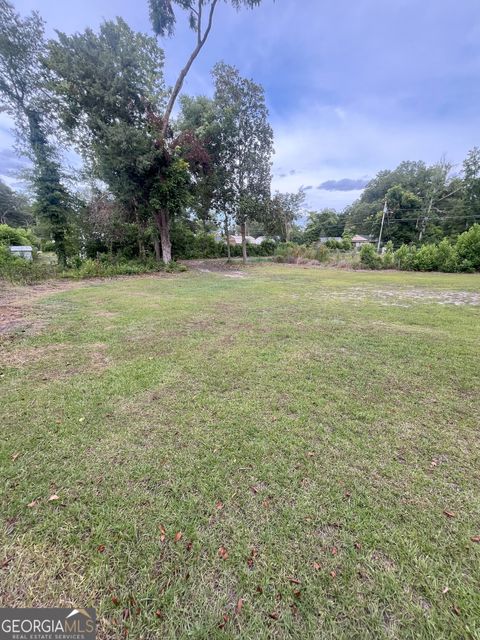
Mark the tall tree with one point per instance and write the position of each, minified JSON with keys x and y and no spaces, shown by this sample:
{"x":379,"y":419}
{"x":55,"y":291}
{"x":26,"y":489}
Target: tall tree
{"x":24,"y":97}
{"x":245,"y":146}
{"x":14,"y":208}
{"x":110,"y":89}
{"x":285,"y":209}
{"x":163,"y":17}
{"x":471,"y":172}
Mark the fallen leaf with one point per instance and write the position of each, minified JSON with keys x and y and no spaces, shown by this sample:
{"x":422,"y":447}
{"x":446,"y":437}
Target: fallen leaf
{"x":162,"y":529}
{"x":239,"y":606}
{"x":347,"y":494}
{"x":15,"y":456}
{"x":223,"y":553}
{"x":297,"y":594}
{"x":357,"y":545}
{"x":445,"y":590}
{"x":475,"y":538}
{"x":317,"y":566}
{"x":266,"y":503}
{"x":32,"y":504}
{"x":115,"y":600}
{"x":219,"y":505}
{"x":334,"y":551}
{"x":333,"y":574}
{"x":310,"y":454}
{"x":158,"y":613}
{"x":101,"y":548}
{"x":254,"y":489}
{"x":225,"y":620}
{"x":294,"y":580}
{"x":456,"y":610}
{"x":178,"y":536}
{"x":6,"y":562}
{"x":126,"y":614}
{"x":53,"y":497}
{"x":189,"y":545}
{"x":259,"y":589}
{"x":449,"y":514}
{"x":162,"y":538}
{"x":273,"y":615}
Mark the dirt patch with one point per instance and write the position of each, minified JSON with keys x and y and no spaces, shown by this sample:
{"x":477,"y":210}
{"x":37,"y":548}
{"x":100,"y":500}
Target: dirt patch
{"x":16,"y":304}
{"x":229,"y":270}
{"x":406,"y":297}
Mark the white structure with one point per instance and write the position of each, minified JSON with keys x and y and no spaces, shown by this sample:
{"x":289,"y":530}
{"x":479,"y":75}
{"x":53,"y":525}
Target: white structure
{"x":25,"y":252}
{"x":359,"y":241}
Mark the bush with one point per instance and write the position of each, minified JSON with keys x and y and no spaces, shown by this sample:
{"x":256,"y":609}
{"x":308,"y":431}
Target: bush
{"x":105,"y":268}
{"x":447,"y":257}
{"x":19,"y":271}
{"x":369,"y":257}
{"x":403,"y":258}
{"x":389,"y":256}
{"x":468,"y":249}
{"x":16,"y":236}
{"x":426,"y":258}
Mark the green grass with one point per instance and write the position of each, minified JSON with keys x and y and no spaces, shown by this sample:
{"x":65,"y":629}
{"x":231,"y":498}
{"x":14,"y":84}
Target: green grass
{"x":334,"y":415}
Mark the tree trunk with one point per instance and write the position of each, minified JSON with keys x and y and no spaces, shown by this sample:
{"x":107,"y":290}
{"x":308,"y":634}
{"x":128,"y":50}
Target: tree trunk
{"x":227,"y":236}
{"x":163,"y":224}
{"x":141,"y":244}
{"x":244,"y":242}
{"x":156,"y":244}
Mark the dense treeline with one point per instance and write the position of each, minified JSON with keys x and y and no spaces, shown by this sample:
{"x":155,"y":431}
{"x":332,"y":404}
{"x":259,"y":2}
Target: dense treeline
{"x":423,"y":204}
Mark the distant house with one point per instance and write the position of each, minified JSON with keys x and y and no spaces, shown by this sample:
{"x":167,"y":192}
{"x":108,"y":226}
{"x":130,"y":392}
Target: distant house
{"x":19,"y":251}
{"x":238,"y":240}
{"x":359,"y":241}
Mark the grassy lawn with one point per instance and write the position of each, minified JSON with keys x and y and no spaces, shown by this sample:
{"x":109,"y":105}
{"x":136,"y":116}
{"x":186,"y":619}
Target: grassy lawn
{"x":290,"y":454}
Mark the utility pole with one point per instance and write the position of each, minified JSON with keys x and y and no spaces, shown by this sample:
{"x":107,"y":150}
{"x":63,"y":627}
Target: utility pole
{"x":385,"y":211}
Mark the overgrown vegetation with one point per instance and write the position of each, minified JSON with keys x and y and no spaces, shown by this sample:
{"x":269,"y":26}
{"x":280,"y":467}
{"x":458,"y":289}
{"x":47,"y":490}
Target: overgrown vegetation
{"x":463,"y":255}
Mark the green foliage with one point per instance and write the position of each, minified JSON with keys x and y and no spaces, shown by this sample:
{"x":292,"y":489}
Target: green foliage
{"x":14,"y":208}
{"x":369,"y":257}
{"x":468,"y":248}
{"x":389,"y":256}
{"x":326,"y":223}
{"x":17,"y":236}
{"x":463,"y":255}
{"x":24,"y":95}
{"x":19,"y":271}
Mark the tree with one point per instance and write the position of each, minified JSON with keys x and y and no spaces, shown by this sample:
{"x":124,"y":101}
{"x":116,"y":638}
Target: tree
{"x":326,"y":223}
{"x":471,"y":172}
{"x":23,"y":96}
{"x":14,"y":208}
{"x":109,"y":89}
{"x":245,"y":147}
{"x":163,"y":18}
{"x":285,"y":209}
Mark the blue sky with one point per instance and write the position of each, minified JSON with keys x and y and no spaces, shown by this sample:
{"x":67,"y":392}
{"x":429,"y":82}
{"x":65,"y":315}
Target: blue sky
{"x":352,"y":87}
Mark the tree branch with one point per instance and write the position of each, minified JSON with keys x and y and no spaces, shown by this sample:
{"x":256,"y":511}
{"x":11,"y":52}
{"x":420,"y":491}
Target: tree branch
{"x":183,"y":73}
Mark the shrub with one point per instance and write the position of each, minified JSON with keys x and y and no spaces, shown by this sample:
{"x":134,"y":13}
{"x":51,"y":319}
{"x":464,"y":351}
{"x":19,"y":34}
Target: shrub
{"x":426,"y":258}
{"x":369,"y":257}
{"x":403,"y":257}
{"x":468,"y":249}
{"x":16,"y":236}
{"x":388,"y":256}
{"x":447,"y":257}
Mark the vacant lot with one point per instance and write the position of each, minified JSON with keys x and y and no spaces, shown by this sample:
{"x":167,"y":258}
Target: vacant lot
{"x":278,"y":453}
